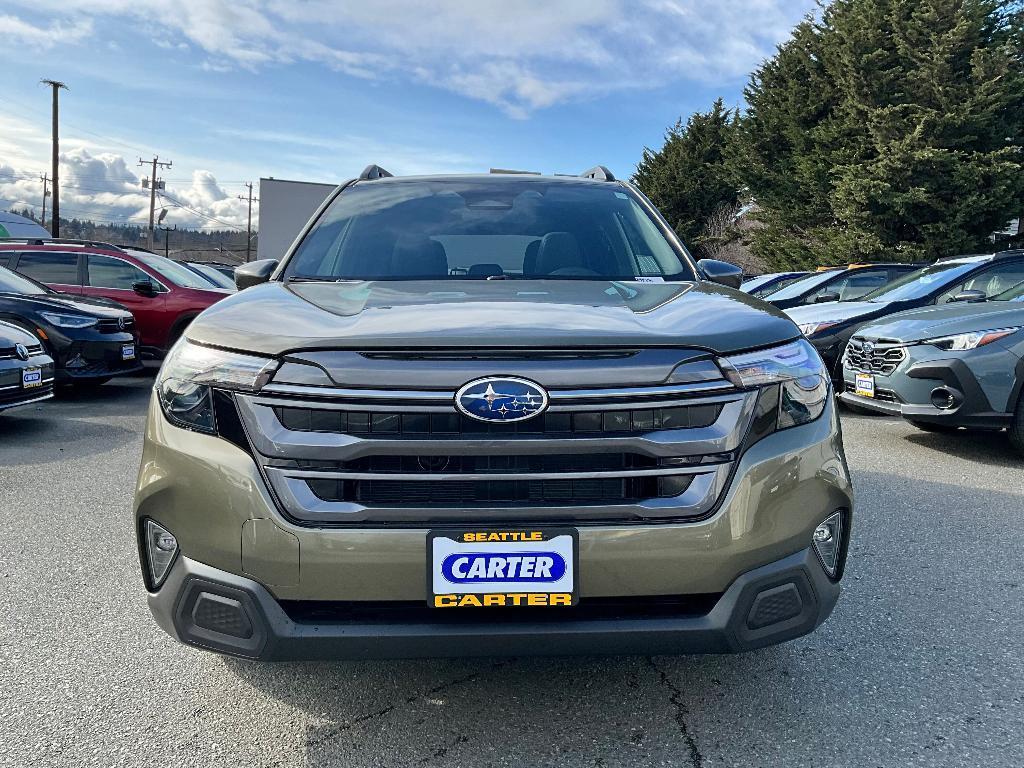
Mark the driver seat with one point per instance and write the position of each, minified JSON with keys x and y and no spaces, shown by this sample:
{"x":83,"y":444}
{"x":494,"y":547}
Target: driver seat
{"x":558,"y":250}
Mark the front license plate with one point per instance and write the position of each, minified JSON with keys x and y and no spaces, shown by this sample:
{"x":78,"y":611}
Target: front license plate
{"x":865,"y":385}
{"x":502,"y":568}
{"x":31,"y":377}
{"x":128,"y":352}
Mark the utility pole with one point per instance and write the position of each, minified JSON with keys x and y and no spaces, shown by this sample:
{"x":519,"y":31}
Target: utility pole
{"x":248,"y":228}
{"x":56,"y":85}
{"x":46,"y":194}
{"x":153,"y":183}
{"x":167,"y":231}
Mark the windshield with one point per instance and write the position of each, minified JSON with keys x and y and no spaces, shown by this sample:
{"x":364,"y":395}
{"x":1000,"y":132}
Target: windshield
{"x":800,"y":287}
{"x":919,"y":284}
{"x":12,"y":282}
{"x":219,"y":279}
{"x":756,"y":282}
{"x":179,"y":275}
{"x":471,"y":228}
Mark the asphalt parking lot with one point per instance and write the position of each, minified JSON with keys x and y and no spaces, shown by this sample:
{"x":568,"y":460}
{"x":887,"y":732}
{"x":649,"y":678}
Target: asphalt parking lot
{"x":921,"y":663}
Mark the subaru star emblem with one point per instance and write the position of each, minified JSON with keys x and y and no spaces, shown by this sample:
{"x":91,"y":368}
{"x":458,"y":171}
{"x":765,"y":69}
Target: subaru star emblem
{"x":501,"y":399}
{"x":21,"y":351}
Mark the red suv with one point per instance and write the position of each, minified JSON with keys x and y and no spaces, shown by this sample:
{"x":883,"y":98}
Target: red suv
{"x":163,"y":296}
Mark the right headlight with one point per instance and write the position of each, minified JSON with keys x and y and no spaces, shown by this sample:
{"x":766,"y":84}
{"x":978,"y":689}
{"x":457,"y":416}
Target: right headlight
{"x":798,"y":371}
{"x":190,"y":373}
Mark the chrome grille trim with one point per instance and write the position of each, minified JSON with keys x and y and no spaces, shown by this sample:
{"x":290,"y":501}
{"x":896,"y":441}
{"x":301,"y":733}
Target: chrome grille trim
{"x":883,"y":359}
{"x":447,"y":397}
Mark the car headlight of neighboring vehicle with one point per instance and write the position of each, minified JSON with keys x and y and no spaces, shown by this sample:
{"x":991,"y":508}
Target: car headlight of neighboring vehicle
{"x":190,"y":373}
{"x":61,"y":320}
{"x":798,"y":371}
{"x":972,"y":340}
{"x":809,"y":329}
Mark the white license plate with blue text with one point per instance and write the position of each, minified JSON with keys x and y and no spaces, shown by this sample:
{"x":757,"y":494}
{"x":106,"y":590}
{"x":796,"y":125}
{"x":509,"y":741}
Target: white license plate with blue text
{"x":505,"y":568}
{"x":128,"y":352}
{"x":865,"y":385}
{"x":31,"y":377}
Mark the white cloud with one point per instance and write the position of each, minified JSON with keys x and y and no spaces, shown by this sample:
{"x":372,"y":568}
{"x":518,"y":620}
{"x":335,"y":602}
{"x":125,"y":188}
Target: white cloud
{"x":18,"y":30}
{"x":102,"y":187}
{"x":520,"y":56}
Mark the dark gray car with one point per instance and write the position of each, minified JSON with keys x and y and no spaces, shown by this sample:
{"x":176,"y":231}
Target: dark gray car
{"x":945,"y":367}
{"x":26,"y":371}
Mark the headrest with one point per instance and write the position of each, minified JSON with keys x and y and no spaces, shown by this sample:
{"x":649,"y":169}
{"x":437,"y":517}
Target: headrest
{"x":485,"y":270}
{"x":418,"y":256}
{"x":558,"y":250}
{"x":530,"y":258}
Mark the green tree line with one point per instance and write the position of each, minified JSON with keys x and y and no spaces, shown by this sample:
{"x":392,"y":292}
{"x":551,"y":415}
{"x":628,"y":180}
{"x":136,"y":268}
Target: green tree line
{"x":880,"y":130}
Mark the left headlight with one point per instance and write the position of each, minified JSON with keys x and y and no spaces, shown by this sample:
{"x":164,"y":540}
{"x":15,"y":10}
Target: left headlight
{"x":190,"y":373}
{"x":972,"y":340}
{"x":68,"y":321}
{"x":797,"y":369}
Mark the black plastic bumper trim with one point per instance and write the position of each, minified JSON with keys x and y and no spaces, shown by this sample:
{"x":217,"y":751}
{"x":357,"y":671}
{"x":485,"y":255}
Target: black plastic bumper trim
{"x":725,"y":629}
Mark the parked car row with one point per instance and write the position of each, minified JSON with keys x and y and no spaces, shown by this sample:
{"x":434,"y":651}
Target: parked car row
{"x":942,"y":345}
{"x":88,"y":311}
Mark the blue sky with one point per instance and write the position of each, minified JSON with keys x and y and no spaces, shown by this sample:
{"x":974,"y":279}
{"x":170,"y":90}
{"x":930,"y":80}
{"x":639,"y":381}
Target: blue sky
{"x":232,"y":90}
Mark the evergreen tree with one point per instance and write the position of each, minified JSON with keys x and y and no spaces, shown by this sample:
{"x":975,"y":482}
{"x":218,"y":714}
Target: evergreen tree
{"x":688,"y":178}
{"x":891,"y":129}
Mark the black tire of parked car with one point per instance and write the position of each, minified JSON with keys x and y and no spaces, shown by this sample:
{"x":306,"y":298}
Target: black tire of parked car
{"x":1016,"y":428}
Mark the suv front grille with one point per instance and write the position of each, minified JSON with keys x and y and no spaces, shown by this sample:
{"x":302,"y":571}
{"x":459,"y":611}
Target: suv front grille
{"x":364,"y":457}
{"x":454,"y":425}
{"x":9,"y":353}
{"x":113,"y":325}
{"x":549,"y":493}
{"x":874,"y":357}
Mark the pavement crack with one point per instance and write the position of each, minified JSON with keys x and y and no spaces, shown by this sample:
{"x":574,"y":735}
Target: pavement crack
{"x":346,"y":725}
{"x":676,"y":699}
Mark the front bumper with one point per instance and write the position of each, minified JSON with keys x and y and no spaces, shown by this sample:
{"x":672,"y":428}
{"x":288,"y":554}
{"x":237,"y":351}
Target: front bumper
{"x":13,"y":393}
{"x":910,"y":389}
{"x":771,"y":604}
{"x":98,"y":356}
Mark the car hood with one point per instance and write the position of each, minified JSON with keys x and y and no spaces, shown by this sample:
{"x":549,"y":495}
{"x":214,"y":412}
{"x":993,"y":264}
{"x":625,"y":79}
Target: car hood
{"x":832,"y":311}
{"x":276,"y":318}
{"x":63,"y":302}
{"x":947,"y":320}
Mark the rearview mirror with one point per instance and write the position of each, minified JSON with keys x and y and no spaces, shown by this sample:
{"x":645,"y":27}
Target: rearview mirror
{"x":969,"y":296}
{"x":144,"y":288}
{"x":722,"y":272}
{"x":826,"y":297}
{"x":254,"y":273}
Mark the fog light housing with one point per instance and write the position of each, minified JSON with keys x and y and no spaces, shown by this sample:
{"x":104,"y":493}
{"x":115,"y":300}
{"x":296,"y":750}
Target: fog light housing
{"x":161,"y":548}
{"x":827,"y":539}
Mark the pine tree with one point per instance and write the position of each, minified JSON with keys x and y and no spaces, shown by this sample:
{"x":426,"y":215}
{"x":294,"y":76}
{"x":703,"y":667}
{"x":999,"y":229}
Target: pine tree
{"x":891,"y":129}
{"x":688,"y":178}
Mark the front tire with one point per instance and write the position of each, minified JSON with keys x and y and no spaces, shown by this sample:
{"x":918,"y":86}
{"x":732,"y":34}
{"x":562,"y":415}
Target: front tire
{"x":1016,"y":428}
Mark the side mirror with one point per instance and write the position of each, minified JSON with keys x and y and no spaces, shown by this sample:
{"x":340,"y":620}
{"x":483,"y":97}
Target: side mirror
{"x":254,"y":273}
{"x":144,"y":288}
{"x":722,"y":272}
{"x":969,"y":296}
{"x":826,"y":297}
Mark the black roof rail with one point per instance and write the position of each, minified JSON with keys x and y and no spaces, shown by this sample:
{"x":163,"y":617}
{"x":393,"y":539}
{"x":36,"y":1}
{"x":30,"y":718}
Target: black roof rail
{"x":372,"y":172}
{"x":60,"y":241}
{"x":513,"y":172}
{"x":598,"y":173}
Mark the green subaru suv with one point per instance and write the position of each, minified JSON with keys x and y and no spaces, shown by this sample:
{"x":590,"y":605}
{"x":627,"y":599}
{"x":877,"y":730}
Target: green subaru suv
{"x":489,"y":415}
